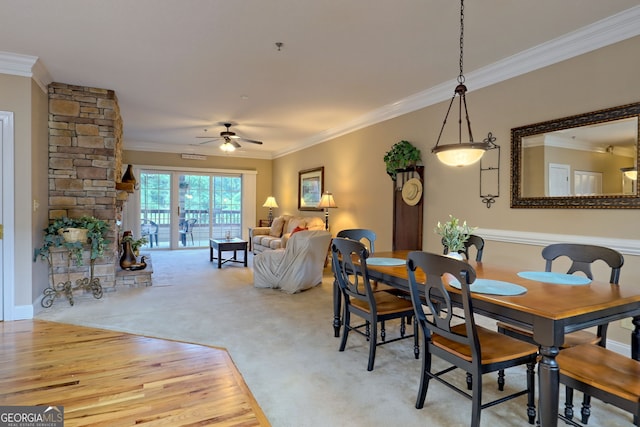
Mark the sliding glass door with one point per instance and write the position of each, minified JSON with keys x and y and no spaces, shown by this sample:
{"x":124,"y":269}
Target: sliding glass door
{"x":184,"y":210}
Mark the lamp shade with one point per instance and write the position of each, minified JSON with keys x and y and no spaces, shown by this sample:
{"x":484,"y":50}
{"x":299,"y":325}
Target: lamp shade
{"x":327,"y":201}
{"x":270,"y":202}
{"x":460,"y":154}
{"x":631,"y":173}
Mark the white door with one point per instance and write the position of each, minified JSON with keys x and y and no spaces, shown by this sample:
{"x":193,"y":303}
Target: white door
{"x":587,"y":183}
{"x":6,"y":216}
{"x":559,"y":180}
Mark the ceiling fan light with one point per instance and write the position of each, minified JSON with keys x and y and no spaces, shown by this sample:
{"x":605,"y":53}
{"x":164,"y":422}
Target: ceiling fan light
{"x":227,"y":147}
{"x":464,"y":154}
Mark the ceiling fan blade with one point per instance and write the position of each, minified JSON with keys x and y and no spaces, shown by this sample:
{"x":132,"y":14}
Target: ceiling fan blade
{"x":206,"y":142}
{"x":253,"y":141}
{"x":235,"y":144}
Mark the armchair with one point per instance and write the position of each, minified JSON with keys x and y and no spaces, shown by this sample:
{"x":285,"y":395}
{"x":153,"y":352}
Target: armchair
{"x":295,"y":268}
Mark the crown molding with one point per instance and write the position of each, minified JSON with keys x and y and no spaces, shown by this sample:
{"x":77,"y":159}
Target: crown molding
{"x":613,"y":29}
{"x":26,"y":66}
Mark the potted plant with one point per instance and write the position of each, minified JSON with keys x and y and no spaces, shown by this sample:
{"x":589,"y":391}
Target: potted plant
{"x":135,"y":243}
{"x":402,"y":155}
{"x":62,"y":233}
{"x":454,"y":235}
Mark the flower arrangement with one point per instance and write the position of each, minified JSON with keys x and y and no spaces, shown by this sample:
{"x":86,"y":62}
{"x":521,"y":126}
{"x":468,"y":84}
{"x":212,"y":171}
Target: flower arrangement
{"x":454,"y":235}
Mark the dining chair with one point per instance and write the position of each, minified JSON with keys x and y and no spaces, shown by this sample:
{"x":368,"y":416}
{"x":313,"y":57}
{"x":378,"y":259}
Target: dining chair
{"x":473,"y":240}
{"x":603,"y":374}
{"x":582,"y":256}
{"x":349,"y":264}
{"x":464,"y":345}
{"x":149,"y":229}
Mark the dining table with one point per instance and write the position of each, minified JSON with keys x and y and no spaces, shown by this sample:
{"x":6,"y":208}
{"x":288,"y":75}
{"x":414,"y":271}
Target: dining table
{"x":551,"y":310}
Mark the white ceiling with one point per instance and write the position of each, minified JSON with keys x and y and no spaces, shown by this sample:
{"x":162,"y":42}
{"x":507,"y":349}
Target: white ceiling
{"x":181,"y":66}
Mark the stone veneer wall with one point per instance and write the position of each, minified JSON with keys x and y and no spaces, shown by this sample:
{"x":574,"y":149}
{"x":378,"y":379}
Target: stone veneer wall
{"x":85,"y":159}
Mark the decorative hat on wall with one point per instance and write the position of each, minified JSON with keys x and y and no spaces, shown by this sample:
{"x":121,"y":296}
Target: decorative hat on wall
{"x":412,"y":191}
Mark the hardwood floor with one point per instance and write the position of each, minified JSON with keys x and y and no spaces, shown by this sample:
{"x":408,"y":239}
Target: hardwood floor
{"x":106,"y":378}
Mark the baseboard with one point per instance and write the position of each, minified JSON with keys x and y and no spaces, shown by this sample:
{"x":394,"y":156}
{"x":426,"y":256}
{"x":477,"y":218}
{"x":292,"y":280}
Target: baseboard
{"x":620,"y":348}
{"x":22,"y":312}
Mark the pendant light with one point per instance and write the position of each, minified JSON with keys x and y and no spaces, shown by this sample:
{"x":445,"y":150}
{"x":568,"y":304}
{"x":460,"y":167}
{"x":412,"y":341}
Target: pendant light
{"x":462,"y":153}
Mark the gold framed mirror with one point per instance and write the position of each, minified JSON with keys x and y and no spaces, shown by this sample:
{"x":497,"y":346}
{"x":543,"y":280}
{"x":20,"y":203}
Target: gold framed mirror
{"x":584,"y":161}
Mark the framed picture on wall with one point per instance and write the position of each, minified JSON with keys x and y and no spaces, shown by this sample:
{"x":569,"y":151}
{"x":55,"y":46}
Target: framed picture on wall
{"x":310,"y":185}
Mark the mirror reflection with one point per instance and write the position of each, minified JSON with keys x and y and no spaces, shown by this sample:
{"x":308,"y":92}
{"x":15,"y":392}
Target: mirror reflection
{"x":581,"y":161}
{"x":584,"y":161}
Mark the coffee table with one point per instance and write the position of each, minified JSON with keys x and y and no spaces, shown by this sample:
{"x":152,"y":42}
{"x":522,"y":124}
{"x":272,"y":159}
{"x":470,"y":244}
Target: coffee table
{"x":224,"y":245}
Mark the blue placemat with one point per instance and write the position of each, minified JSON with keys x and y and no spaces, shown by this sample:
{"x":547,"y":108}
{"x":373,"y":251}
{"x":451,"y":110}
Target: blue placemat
{"x":555,"y":278}
{"x":385,"y":261}
{"x":493,"y":287}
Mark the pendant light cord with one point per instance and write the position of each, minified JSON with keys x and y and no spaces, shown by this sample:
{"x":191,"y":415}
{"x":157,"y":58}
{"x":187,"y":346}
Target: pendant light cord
{"x":461,"y":76}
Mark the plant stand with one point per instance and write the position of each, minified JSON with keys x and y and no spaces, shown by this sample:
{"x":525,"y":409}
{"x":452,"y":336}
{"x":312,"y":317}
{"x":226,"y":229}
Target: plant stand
{"x":66,"y":288}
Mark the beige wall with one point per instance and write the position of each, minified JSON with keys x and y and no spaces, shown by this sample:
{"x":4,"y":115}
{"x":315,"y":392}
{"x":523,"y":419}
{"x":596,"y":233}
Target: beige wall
{"x":262,"y":167}
{"x":28,"y":102}
{"x":355,"y":172}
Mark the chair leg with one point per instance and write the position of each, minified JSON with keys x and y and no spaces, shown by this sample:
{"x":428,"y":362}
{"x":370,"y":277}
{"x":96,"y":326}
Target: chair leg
{"x":568,"y":403}
{"x":476,"y":399}
{"x":586,"y":408}
{"x":531,"y":388}
{"x":424,"y":378}
{"x":416,"y":338}
{"x":373,"y":344}
{"x":346,"y":316}
{"x":383,"y":332}
{"x":469,"y":381}
{"x":501,"y":380}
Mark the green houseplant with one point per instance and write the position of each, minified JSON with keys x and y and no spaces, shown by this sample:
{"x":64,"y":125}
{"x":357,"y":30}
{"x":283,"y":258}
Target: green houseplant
{"x":401,"y":155}
{"x":454,"y":235}
{"x":136,"y":244}
{"x":54,"y":238}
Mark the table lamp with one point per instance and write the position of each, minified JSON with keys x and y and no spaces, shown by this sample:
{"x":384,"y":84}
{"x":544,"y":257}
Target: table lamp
{"x":327,"y":202}
{"x":270,"y":203}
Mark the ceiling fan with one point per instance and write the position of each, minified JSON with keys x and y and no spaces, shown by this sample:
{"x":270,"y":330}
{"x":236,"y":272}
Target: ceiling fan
{"x":230,"y":139}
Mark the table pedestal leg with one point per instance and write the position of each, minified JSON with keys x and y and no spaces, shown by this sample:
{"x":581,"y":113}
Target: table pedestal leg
{"x":549,"y":386}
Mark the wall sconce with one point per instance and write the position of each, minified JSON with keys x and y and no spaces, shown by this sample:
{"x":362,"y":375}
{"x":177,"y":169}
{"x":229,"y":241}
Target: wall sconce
{"x":270,"y":203}
{"x":327,"y":202}
{"x":631,"y":173}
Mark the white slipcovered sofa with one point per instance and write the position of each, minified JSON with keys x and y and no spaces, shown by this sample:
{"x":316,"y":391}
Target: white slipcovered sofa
{"x":295,"y":268}
{"x":276,"y":236}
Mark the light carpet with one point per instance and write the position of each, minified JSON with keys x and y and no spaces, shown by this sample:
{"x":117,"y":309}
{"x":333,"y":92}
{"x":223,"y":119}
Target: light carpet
{"x":284,"y":347}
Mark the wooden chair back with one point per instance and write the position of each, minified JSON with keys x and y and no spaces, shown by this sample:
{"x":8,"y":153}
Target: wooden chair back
{"x":432,"y":292}
{"x":583,"y":256}
{"x":360,"y":234}
{"x":349,"y":264}
{"x":475,"y":241}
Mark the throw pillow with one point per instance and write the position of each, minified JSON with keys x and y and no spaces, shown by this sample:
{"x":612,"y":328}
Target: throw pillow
{"x":294,"y":223}
{"x":276,"y":227}
{"x":295,"y":230}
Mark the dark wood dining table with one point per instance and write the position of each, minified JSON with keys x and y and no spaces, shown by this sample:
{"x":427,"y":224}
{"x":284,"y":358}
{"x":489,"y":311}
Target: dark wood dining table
{"x":551,"y":310}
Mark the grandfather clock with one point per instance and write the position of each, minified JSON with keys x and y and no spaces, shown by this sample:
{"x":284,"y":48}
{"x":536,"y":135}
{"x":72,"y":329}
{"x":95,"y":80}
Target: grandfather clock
{"x":408,"y":210}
